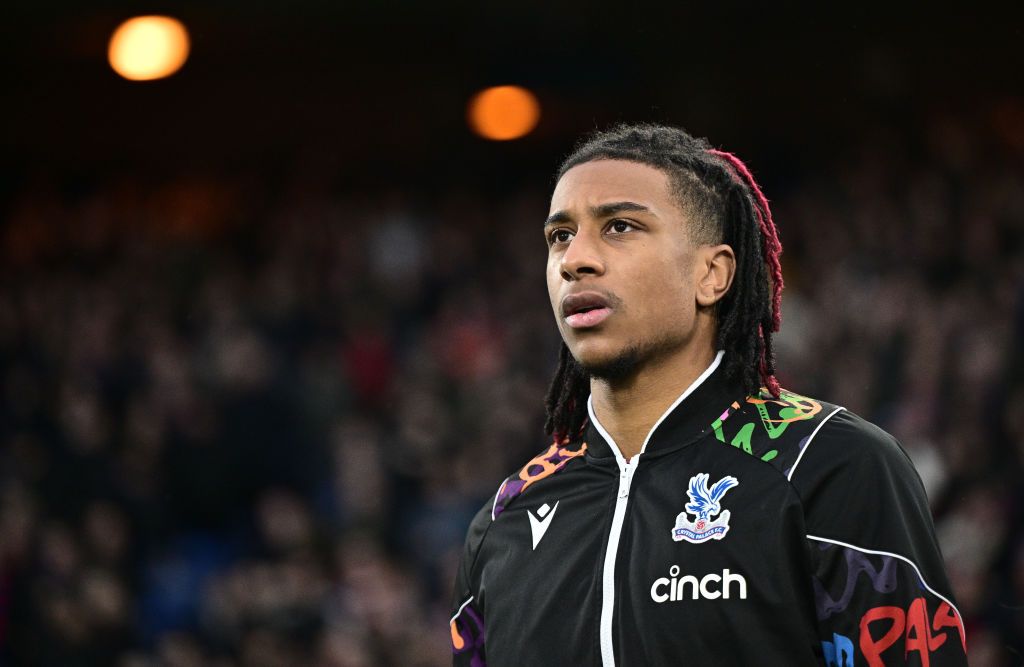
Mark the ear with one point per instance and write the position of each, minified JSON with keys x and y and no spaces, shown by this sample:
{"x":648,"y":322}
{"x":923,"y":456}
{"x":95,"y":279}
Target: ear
{"x":716,"y":267}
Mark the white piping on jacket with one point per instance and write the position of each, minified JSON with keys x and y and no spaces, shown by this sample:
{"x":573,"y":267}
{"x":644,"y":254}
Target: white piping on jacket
{"x":808,"y":445}
{"x":959,"y":618}
{"x":460,"y":609}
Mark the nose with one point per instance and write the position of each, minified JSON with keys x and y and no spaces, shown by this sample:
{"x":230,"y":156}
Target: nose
{"x":581,"y":258}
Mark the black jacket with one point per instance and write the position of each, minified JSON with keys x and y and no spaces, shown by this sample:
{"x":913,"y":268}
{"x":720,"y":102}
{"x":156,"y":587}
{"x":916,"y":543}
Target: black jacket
{"x":748,"y":531}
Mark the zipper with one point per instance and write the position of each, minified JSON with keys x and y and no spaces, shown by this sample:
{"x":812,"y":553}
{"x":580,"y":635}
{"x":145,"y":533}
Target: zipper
{"x":626,"y":470}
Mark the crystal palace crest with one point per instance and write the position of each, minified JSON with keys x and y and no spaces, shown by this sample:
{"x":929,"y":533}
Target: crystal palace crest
{"x":704,"y":505}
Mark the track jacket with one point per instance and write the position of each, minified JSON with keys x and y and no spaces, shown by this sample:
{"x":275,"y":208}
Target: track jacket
{"x":748,"y":531}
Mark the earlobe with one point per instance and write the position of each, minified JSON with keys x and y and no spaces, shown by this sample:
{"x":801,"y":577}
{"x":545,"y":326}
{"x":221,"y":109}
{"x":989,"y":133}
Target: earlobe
{"x":718,"y":267}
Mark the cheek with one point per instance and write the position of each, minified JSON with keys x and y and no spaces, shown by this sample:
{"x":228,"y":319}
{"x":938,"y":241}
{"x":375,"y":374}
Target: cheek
{"x":554,"y":281}
{"x":664,"y":291}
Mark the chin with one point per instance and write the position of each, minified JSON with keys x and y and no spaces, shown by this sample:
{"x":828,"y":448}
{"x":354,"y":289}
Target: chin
{"x":612,"y":365}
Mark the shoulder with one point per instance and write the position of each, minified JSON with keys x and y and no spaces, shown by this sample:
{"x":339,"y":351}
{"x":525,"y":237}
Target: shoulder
{"x":850,"y":451}
{"x":555,"y":458}
{"x":858,"y":486}
{"x":775,"y":430}
{"x":832,"y":458}
{"x":795,"y":432}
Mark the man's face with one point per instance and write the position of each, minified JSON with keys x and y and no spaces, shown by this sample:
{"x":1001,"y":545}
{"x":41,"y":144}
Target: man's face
{"x":620,"y":272}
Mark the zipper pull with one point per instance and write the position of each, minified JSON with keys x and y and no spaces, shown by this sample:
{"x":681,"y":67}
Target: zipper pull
{"x":626,"y":478}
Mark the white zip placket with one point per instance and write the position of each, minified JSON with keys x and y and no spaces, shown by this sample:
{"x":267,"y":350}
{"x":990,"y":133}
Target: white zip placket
{"x":626,"y":470}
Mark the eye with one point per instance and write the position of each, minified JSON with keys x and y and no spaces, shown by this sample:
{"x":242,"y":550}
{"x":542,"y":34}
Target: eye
{"x":618,"y":226}
{"x":560,"y":236}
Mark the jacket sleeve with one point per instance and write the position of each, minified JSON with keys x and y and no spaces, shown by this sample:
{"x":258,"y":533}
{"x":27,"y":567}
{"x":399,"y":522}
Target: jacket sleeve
{"x":467,"y":620}
{"x":881,"y":592}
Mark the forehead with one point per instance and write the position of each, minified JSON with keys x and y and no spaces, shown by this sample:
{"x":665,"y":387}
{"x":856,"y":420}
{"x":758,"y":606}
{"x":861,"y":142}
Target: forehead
{"x":602,"y":181}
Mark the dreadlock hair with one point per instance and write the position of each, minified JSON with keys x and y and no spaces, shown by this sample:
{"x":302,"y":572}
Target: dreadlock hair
{"x":724,"y":205}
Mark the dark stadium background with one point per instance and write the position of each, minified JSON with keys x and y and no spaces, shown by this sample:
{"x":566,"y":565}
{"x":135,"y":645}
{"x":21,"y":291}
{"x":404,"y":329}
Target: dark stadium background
{"x":273,"y":328}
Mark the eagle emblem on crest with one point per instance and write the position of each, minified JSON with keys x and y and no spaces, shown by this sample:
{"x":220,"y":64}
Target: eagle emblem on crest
{"x":705,"y":503}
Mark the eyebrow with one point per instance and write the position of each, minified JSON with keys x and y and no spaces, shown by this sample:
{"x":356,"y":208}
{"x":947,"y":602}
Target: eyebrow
{"x":601,"y":211}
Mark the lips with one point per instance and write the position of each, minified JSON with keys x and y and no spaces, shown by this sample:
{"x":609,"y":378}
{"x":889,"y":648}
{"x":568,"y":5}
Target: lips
{"x":586,"y":309}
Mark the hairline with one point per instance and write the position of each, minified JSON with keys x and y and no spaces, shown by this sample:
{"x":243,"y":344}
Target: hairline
{"x":682,"y":184}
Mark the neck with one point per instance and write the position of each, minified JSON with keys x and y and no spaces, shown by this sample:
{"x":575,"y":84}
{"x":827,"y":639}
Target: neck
{"x":628,"y":409}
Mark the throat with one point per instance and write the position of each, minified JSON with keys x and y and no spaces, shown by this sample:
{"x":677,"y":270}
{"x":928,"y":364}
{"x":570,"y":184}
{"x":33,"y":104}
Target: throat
{"x":629,"y":411}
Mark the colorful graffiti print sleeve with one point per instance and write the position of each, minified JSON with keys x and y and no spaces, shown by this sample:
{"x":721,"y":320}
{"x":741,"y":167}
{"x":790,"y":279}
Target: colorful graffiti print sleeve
{"x":881,"y":593}
{"x":750,"y":531}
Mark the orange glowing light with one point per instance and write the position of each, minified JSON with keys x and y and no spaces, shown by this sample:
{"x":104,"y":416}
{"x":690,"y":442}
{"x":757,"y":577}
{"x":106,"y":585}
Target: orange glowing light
{"x":504,"y":112}
{"x":148,"y":47}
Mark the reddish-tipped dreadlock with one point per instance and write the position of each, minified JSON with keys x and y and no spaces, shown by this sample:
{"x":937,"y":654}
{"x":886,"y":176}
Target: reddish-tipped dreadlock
{"x":772,"y":250}
{"x":726,"y":206}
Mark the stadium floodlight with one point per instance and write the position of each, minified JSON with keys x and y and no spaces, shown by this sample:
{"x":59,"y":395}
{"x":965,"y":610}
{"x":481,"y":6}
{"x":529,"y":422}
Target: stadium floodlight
{"x":145,"y":48}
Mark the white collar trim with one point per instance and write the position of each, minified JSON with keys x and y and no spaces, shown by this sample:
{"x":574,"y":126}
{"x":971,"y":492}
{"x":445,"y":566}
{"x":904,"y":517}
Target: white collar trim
{"x":682,"y":397}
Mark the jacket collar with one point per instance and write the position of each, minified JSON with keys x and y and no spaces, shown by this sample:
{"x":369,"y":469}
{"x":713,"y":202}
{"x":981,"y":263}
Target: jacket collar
{"x":687,"y":420}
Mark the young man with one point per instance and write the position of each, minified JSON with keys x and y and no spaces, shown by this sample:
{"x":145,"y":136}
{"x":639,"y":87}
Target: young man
{"x":689,"y":510}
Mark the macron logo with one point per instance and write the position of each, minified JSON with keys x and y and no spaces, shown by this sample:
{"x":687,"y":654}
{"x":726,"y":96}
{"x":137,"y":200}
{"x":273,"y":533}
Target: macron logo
{"x":540,"y":526}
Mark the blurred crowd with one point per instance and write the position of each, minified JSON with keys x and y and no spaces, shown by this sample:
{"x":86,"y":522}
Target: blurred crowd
{"x":247,"y":423}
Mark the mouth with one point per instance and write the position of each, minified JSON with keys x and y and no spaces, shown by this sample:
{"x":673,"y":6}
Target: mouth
{"x":585,"y":310}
